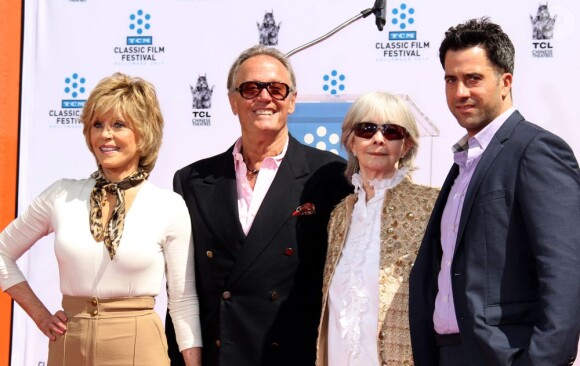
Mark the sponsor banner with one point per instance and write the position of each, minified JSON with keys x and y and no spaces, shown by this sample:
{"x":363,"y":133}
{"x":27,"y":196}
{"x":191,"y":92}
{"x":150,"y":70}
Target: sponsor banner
{"x":405,"y":42}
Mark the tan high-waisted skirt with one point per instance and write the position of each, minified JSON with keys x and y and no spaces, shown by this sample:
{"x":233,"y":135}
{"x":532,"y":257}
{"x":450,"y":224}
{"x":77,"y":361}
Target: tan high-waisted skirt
{"x":103,"y":332}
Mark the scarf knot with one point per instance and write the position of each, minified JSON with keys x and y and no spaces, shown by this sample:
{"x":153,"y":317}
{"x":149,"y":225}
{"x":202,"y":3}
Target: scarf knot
{"x":111,"y":232}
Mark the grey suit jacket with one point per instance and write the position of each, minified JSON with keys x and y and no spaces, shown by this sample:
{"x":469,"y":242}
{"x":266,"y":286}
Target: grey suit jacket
{"x":260,"y":294}
{"x":515,"y":271}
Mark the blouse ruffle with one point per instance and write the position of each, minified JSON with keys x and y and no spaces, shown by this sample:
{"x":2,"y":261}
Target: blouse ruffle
{"x":361,"y":243}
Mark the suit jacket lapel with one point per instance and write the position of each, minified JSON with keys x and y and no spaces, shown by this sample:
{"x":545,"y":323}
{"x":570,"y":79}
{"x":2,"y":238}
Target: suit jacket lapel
{"x":432,"y":239}
{"x":435,"y":221}
{"x":281,"y":200}
{"x":217,"y":198}
{"x":495,"y":146}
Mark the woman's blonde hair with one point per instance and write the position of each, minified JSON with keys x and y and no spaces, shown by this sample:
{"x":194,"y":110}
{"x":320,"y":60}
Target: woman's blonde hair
{"x":135,"y":101}
{"x":387,"y":108}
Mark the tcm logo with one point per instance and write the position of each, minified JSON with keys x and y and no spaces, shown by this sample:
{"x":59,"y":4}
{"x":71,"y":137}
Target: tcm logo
{"x":323,"y":136}
{"x":140,"y":24}
{"x":334,"y":83}
{"x":74,"y":87}
{"x":403,"y":18}
{"x":319,"y":124}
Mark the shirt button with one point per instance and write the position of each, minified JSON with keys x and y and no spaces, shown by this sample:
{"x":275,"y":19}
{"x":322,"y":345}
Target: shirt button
{"x":95,"y":312}
{"x":94,"y":301}
{"x":288,"y":252}
{"x":445,"y":299}
{"x":274,"y":296}
{"x":226,"y":295}
{"x":209,"y":254}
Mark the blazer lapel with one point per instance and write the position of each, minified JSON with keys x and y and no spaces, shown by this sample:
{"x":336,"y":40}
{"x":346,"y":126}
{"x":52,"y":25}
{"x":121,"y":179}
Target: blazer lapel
{"x":217,"y":199}
{"x":281,"y":200}
{"x":489,"y":155}
{"x":435,"y":221}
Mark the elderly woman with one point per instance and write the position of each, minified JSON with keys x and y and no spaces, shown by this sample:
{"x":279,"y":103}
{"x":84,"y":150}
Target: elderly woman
{"x":374,"y":236}
{"x":116,"y":236}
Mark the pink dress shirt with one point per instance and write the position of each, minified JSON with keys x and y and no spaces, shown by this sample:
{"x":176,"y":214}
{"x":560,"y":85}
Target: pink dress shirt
{"x":249,"y":200}
{"x":466,"y":153}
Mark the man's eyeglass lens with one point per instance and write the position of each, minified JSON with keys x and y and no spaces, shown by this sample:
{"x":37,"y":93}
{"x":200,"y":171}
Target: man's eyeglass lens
{"x":251,"y":89}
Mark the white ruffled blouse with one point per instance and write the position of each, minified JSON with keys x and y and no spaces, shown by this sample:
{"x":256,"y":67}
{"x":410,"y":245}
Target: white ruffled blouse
{"x":353,"y":301}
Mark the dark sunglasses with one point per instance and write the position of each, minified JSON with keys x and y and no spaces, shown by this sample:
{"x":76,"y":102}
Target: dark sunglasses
{"x":251,"y":89}
{"x":367,"y":130}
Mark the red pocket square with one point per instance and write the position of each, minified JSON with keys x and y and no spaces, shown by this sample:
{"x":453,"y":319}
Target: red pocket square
{"x":305,"y":209}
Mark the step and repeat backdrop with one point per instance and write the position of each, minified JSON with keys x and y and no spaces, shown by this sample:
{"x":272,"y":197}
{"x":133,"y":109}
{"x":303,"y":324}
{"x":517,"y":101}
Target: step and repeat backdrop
{"x":185,"y":48}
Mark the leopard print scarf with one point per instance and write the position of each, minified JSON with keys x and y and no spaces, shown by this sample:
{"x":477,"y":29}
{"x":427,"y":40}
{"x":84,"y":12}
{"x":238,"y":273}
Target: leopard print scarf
{"x":112,"y":232}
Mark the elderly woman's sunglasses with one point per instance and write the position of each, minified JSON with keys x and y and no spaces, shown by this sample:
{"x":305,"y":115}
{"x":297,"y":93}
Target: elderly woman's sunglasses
{"x":251,"y":89}
{"x":367,"y":130}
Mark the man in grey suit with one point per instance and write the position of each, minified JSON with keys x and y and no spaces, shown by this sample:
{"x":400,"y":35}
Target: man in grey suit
{"x":259,"y":213}
{"x":496,"y":279}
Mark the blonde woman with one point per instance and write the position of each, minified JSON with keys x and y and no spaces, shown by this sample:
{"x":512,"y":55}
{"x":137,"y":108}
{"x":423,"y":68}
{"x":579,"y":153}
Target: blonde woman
{"x":116,"y":236}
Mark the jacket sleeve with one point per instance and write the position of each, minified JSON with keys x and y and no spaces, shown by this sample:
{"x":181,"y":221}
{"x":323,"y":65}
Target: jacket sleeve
{"x":548,"y":193}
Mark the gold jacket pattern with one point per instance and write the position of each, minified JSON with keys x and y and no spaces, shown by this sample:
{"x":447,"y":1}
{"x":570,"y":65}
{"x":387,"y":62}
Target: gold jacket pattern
{"x":404,"y":217}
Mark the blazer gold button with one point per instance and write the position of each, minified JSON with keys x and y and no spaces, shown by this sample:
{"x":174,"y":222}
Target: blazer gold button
{"x":288,"y":252}
{"x":410,"y":215}
{"x":218,"y":343}
{"x":95,"y":312}
{"x":209,"y":254}
{"x":94,"y":302}
{"x":274,"y":296}
{"x":226,"y":295}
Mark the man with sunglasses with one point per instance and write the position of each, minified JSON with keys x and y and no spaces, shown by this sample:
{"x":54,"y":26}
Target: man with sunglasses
{"x":496,"y":279}
{"x":259,"y":213}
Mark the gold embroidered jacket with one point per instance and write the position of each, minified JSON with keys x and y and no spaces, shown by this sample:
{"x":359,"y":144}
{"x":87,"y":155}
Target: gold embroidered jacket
{"x":405,"y":213}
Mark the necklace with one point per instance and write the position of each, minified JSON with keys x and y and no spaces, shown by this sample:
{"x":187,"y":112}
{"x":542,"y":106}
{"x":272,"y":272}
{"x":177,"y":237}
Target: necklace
{"x":252,"y":171}
{"x":248,"y":170}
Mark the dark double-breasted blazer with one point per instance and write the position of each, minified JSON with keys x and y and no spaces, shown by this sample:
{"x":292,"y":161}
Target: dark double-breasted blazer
{"x":515,"y":271}
{"x":260,"y":294}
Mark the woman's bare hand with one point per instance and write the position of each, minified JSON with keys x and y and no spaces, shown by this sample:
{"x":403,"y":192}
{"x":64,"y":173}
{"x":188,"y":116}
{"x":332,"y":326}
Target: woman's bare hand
{"x":53,"y":325}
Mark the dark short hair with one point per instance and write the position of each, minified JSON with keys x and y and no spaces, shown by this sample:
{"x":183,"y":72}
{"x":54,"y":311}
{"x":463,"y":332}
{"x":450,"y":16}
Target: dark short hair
{"x":485,"y":34}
